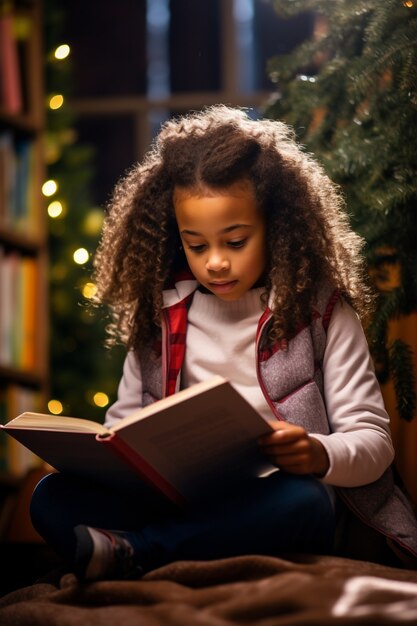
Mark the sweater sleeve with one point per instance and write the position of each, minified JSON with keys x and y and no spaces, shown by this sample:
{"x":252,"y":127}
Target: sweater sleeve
{"x":359,"y":446}
{"x":129,"y":395}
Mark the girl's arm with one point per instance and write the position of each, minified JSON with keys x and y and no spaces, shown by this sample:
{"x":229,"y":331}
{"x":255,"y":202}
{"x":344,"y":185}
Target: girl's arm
{"x":129,"y":395}
{"x":360,"y":448}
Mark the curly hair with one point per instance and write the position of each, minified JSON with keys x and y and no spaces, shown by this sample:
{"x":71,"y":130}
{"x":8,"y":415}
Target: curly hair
{"x":309,"y":239}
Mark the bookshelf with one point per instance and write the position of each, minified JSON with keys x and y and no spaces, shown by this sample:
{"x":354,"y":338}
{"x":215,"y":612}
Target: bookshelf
{"x":23,"y":236}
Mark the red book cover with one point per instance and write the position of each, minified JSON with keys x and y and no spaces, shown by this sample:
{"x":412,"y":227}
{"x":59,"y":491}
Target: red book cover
{"x":10,"y":84}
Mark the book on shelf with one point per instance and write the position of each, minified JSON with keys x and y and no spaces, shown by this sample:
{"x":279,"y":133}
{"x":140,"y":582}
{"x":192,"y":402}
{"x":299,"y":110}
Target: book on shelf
{"x":199,"y":437}
{"x":11,"y":99}
{"x":7,"y":175}
{"x":27,"y":337}
{"x":8,"y":265}
{"x":18,"y":310}
{"x":18,"y":200}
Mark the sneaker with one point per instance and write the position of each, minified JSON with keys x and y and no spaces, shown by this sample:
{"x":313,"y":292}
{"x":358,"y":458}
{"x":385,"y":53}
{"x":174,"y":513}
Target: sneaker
{"x":102,"y":554}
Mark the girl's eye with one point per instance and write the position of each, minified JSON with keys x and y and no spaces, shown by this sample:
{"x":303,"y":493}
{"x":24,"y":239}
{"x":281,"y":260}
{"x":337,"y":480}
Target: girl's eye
{"x":197,"y":248}
{"x":237,"y":244}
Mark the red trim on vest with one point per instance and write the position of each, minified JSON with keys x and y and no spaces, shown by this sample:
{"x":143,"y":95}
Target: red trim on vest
{"x":329,"y":308}
{"x":282,"y":344}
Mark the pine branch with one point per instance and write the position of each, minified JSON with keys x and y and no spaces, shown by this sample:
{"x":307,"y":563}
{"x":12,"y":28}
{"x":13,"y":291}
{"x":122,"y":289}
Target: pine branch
{"x":401,"y":367}
{"x":356,"y":110}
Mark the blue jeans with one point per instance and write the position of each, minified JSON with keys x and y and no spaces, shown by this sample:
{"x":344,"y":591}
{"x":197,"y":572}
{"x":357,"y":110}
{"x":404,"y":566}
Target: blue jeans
{"x":277,"y":514}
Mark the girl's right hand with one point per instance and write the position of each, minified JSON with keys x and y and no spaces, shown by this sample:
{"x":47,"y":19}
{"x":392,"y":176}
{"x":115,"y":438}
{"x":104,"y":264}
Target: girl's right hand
{"x":291,"y":449}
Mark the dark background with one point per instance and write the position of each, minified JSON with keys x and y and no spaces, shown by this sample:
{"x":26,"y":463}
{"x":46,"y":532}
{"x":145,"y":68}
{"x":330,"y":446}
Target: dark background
{"x":109,"y":61}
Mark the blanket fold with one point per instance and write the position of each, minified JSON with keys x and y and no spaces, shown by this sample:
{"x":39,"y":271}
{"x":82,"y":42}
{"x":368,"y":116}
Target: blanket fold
{"x":265,"y":591}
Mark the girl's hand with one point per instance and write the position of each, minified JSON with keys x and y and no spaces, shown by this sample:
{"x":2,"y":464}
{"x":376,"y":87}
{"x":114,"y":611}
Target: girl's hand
{"x":291,"y":449}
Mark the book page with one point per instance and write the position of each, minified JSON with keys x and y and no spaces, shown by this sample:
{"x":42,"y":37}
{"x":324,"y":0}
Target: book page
{"x":169,"y":401}
{"x":44,"y":421}
{"x":206,"y":438}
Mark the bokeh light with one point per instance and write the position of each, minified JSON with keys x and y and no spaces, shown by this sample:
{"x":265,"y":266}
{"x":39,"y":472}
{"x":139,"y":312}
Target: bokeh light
{"x":101,"y":399}
{"x":81,"y":256}
{"x":49,"y":188}
{"x":55,"y":407}
{"x":62,"y":51}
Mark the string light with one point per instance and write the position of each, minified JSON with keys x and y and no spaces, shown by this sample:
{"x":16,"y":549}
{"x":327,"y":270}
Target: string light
{"x":81,"y":256}
{"x":409,"y":4}
{"x":56,"y":101}
{"x":49,"y":188}
{"x":55,"y":209}
{"x":89,"y":290}
{"x":62,"y":51}
{"x":101,"y":399}
{"x":55,"y":407}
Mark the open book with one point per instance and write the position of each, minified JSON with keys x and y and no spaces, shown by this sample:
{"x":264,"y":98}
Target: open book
{"x":179,"y":444}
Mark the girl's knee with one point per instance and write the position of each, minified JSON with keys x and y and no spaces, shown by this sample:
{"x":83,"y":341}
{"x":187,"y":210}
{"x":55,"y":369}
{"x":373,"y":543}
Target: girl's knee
{"x":47,"y":487}
{"x":303,"y":495}
{"x":316,"y":493}
{"x":321,"y":515}
{"x":315,"y":512}
{"x":38,"y":504}
{"x":314,"y":498}
{"x":44,"y":497}
{"x":51,"y":512}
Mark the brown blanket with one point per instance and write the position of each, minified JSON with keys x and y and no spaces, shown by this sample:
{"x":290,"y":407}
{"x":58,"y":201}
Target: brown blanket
{"x":265,"y":591}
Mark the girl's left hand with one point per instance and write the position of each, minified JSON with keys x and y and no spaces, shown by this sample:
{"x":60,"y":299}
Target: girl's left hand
{"x":292,"y":449}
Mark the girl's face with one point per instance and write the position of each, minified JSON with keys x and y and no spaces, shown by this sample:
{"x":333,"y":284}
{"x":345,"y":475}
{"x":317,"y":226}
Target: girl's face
{"x":223,"y":235}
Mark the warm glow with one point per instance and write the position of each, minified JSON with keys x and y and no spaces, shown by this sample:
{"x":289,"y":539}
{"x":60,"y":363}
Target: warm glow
{"x":55,"y":407}
{"x":409,"y":4}
{"x":101,"y":399}
{"x":56,"y":101}
{"x":55,"y":209}
{"x":49,"y":188}
{"x":89,"y":290}
{"x":62,"y":51}
{"x":81,"y":256}
{"x":93,"y":222}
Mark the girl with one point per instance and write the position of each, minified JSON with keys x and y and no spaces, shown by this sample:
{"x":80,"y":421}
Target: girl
{"x":227,"y":251}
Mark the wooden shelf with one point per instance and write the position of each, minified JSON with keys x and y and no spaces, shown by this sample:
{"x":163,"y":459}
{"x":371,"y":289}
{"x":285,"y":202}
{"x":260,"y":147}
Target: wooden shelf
{"x":15,"y":375}
{"x":24,"y":122}
{"x":24,"y":242}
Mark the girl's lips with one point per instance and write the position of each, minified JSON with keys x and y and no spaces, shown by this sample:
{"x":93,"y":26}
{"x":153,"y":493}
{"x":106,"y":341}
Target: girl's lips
{"x":223,"y":287}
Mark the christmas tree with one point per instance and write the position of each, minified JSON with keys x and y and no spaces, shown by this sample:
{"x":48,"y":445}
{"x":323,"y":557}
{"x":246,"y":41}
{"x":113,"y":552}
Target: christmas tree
{"x":350,"y":93}
{"x":84,"y":375}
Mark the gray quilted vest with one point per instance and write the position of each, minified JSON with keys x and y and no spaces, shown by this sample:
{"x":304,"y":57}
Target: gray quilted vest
{"x":293,"y":380}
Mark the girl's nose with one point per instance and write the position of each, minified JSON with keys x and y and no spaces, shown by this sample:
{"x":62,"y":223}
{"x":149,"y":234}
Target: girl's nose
{"x":217,"y":262}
